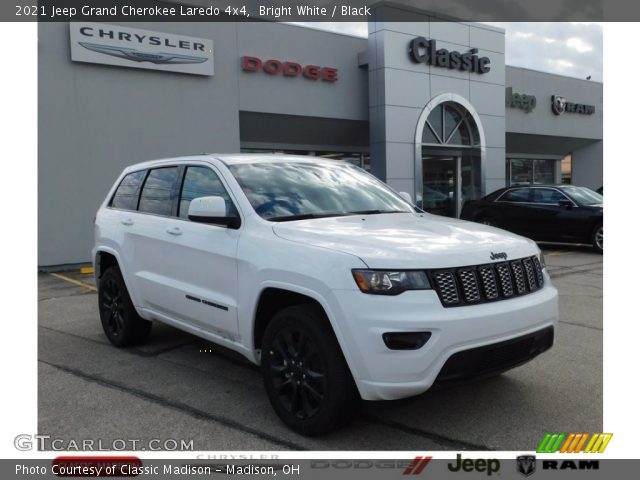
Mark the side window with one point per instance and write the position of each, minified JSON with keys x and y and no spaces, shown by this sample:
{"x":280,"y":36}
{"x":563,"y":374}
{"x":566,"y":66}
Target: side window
{"x":126,"y":196}
{"x":156,"y":192}
{"x":516,"y":195}
{"x":547,"y":195}
{"x":201,"y":182}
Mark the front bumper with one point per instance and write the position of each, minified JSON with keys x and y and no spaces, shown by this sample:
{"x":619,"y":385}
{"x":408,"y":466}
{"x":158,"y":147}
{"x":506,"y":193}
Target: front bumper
{"x":384,"y":374}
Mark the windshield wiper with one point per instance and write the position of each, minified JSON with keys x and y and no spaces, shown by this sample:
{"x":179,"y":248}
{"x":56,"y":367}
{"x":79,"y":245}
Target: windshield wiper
{"x":303,"y":216}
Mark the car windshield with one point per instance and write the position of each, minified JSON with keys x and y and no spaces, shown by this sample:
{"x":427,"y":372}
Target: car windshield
{"x":295,"y":191}
{"x":583,"y":195}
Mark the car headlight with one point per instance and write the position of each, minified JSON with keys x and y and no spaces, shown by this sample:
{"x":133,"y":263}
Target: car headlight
{"x":543,"y":263}
{"x":390,"y":282}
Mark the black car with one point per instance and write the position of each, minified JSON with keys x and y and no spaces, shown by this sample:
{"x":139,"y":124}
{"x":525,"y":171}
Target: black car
{"x":545,"y":213}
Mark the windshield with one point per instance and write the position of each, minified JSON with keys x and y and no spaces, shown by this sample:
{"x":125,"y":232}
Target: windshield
{"x":294,"y":191}
{"x":583,"y":195}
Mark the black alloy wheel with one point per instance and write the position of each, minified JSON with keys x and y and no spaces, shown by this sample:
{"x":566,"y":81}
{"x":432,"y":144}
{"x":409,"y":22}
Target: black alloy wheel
{"x":305,"y":373}
{"x":121,"y":323}
{"x":297,"y":373}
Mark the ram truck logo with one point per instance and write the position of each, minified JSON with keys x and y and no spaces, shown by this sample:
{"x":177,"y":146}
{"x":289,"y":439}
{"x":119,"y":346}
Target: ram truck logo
{"x":558,"y":104}
{"x":139,"y":56}
{"x":497,"y":255}
{"x":526,"y":464}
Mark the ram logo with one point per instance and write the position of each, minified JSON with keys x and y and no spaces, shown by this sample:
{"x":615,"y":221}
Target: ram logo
{"x":139,"y":56}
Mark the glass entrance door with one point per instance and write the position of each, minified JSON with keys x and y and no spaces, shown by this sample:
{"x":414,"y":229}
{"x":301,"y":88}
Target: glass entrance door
{"x":440,"y":184}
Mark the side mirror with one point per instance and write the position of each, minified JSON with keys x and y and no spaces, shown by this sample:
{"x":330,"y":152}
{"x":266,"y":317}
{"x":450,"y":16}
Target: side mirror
{"x":212,"y":210}
{"x":565,"y":203}
{"x":405,"y":196}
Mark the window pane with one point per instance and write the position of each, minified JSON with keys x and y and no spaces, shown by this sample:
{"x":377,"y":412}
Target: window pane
{"x":201,"y":182}
{"x":516,"y":195}
{"x":427,"y":135}
{"x":544,"y":172}
{"x":126,"y":196}
{"x":521,"y":171}
{"x":435,"y":119}
{"x":547,"y":195}
{"x":156,"y":193}
{"x":451,"y":119}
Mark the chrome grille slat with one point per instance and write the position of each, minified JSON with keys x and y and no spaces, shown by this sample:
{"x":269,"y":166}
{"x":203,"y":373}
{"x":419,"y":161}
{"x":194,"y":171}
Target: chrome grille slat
{"x":531,"y":276}
{"x":447,"y":287}
{"x":469,"y":285}
{"x":518,"y":275}
{"x":505,"y":279}
{"x":487,"y":283}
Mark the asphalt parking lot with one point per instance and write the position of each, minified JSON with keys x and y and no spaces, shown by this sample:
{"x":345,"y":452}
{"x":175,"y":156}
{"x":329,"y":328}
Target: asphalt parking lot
{"x":177,"y":386}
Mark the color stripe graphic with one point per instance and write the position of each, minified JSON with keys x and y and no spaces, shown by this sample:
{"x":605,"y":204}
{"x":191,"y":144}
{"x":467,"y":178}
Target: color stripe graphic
{"x":575,"y":442}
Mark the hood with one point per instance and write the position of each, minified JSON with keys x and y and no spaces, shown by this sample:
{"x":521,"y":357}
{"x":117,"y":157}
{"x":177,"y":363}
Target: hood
{"x":408,"y":240}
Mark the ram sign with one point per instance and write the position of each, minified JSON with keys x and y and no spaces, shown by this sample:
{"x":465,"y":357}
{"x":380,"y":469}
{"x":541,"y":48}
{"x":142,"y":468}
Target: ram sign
{"x":135,"y":48}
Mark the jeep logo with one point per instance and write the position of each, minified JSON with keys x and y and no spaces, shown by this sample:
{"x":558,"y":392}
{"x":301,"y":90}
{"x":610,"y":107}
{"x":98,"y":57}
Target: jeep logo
{"x":486,"y":465}
{"x":497,"y":255}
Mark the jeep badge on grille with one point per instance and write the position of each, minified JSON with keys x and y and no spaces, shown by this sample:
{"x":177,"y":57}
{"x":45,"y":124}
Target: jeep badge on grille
{"x":497,"y":255}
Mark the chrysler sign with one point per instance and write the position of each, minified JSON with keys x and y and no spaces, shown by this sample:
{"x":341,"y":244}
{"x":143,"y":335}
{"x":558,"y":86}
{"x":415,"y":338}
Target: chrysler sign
{"x":132,"y":47}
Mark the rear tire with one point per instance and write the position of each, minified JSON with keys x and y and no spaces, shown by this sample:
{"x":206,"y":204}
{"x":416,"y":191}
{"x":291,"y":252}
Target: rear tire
{"x":305,"y":374}
{"x":597,"y":238}
{"x":121,"y":323}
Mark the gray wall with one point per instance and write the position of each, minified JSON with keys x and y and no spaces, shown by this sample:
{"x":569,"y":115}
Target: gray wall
{"x":400,"y":89}
{"x":542,"y":121}
{"x":586,"y":166}
{"x":95,"y":119}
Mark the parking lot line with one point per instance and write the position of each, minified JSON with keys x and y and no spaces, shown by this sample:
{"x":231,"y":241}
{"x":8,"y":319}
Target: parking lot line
{"x":74,"y":281}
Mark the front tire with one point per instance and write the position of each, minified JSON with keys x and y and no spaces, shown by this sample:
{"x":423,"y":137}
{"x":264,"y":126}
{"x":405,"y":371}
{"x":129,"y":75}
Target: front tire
{"x":597,"y":238}
{"x":305,"y":374}
{"x":121,"y":323}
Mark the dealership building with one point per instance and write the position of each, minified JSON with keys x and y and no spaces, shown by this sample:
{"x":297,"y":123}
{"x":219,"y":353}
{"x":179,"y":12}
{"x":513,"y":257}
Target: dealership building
{"x":427,"y":106}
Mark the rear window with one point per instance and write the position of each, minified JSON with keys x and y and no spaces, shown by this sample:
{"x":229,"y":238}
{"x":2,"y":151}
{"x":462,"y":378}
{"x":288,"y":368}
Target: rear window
{"x":126,"y":196}
{"x":515,"y":195}
{"x":156,"y":192}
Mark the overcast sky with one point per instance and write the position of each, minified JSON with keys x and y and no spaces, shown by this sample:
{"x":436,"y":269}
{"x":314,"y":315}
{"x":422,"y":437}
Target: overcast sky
{"x":573,"y":49}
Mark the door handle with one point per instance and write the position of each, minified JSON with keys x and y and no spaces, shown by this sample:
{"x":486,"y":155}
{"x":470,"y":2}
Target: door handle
{"x":128,"y":222}
{"x":174,"y":231}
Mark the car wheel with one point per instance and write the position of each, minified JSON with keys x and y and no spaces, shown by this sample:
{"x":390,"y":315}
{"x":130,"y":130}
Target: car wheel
{"x":121,"y":323}
{"x":305,"y":374}
{"x":597,"y":238}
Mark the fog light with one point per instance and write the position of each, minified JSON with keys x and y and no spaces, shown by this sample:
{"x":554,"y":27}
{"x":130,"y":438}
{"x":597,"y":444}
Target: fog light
{"x":405,"y":340}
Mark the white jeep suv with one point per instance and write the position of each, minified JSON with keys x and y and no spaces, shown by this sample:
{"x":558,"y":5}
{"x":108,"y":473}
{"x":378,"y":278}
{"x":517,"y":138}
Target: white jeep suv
{"x":313,"y":269}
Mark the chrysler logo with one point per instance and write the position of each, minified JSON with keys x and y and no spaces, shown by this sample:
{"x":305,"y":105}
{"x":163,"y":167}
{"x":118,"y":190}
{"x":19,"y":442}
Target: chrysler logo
{"x":140,"y":56}
{"x":497,"y":255}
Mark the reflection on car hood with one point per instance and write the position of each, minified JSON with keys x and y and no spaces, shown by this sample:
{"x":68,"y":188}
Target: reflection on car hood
{"x":407,"y":240}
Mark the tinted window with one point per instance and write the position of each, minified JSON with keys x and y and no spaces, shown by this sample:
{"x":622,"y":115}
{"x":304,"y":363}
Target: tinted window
{"x":156,"y":192}
{"x":201,"y":182}
{"x":126,"y":196}
{"x":547,"y":195}
{"x":516,"y":195}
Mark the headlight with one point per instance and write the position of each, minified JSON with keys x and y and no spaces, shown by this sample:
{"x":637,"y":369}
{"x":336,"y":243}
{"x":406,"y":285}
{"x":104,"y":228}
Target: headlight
{"x":390,"y":282}
{"x":543,"y":264}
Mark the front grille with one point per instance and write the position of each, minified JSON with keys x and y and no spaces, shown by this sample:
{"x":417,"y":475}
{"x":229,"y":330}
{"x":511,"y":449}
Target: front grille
{"x":487,"y":283}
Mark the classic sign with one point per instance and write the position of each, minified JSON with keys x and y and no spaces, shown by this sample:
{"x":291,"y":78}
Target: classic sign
{"x":132,"y":47}
{"x":426,"y":51}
